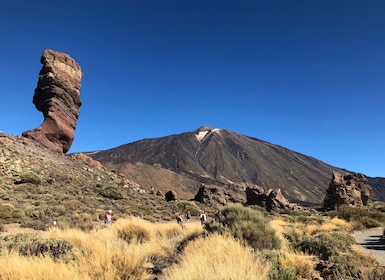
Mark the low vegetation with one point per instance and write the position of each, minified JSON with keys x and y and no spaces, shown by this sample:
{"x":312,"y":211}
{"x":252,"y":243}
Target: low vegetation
{"x":259,"y":246}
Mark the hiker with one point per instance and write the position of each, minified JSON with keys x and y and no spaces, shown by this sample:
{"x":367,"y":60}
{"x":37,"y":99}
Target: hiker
{"x":179,"y":220}
{"x":108,"y":217}
{"x":203,"y":218}
{"x":188,"y":216}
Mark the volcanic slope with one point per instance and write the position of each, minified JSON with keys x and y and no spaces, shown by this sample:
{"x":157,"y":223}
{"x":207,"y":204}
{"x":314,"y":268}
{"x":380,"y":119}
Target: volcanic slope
{"x":221,"y":158}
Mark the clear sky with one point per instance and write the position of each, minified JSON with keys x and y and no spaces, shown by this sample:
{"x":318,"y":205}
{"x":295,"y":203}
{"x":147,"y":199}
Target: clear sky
{"x":305,"y":75}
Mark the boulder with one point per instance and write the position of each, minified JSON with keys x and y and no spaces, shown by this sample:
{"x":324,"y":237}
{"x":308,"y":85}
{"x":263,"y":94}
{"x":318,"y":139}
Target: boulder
{"x":212,"y":196}
{"x":272,"y":200}
{"x":352,"y":189}
{"x":171,"y":195}
{"x":57,"y":96}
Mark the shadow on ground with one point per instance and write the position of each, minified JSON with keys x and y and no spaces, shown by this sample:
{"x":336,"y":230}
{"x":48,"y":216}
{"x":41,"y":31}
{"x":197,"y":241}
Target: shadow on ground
{"x":373,"y":242}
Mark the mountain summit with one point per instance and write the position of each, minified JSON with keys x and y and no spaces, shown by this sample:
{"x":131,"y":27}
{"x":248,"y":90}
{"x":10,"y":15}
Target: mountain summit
{"x":219,"y":157}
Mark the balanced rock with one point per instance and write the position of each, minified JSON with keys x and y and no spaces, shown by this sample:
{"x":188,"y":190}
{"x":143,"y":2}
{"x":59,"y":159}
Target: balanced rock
{"x":57,"y":96}
{"x":352,"y":189}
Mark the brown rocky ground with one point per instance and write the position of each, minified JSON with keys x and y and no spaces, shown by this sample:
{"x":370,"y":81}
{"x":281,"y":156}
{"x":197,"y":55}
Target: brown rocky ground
{"x":74,"y":190}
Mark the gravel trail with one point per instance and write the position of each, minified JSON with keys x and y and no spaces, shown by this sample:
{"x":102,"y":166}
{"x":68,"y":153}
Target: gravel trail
{"x":370,"y":241}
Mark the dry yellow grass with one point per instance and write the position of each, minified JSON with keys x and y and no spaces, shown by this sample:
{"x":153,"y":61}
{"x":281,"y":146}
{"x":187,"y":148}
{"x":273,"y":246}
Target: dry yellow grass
{"x":217,"y":257}
{"x":302,"y":264}
{"x":123,"y":250}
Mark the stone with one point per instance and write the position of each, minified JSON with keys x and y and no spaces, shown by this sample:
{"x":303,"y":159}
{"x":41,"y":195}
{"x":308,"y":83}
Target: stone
{"x":212,"y":196}
{"x":272,"y":200}
{"x":87,"y":160}
{"x":57,"y":96}
{"x":352,"y":189}
{"x":171,"y":195}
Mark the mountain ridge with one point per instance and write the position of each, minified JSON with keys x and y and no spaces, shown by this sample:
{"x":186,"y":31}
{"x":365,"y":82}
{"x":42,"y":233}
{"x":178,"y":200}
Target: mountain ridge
{"x":220,"y":157}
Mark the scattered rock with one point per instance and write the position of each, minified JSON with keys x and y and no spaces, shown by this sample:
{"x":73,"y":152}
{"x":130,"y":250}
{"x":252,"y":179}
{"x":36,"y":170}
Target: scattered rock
{"x":57,"y":96}
{"x":352,"y":189}
{"x":171,"y":195}
{"x":87,"y":160}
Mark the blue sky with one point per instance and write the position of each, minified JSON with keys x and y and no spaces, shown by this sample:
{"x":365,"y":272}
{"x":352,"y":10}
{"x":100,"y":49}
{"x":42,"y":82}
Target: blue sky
{"x":305,"y":75}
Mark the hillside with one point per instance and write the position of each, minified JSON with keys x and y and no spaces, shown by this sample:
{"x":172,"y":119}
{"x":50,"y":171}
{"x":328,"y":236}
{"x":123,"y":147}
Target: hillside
{"x":73,"y":190}
{"x":219,"y":157}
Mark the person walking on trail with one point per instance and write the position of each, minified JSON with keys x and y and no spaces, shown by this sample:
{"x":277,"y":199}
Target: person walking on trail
{"x":179,"y":220}
{"x":203,"y":218}
{"x":188,"y":216}
{"x":107,"y":218}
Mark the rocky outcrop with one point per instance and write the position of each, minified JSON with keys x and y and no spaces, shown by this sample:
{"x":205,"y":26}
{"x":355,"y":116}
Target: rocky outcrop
{"x":57,"y":96}
{"x":272,"y":200}
{"x":87,"y":160}
{"x":212,"y":196}
{"x":352,"y":189}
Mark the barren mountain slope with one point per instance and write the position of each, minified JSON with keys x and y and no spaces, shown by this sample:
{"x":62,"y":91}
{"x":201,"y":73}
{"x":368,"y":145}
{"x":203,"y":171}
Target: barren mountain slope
{"x":220,"y":157}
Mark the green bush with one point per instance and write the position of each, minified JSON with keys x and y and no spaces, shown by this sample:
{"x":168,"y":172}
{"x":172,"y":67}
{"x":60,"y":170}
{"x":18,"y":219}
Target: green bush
{"x":27,"y":244}
{"x":326,"y":245}
{"x":183,"y":206}
{"x":364,"y":216}
{"x":110,"y":192}
{"x":30,"y":177}
{"x":9,"y":215}
{"x":248,"y":225}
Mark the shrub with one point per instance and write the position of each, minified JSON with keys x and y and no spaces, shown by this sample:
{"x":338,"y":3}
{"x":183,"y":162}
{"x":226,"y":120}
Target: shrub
{"x":9,"y":215}
{"x":136,"y":231}
{"x":217,"y":257}
{"x":363,"y":217}
{"x":30,"y":177}
{"x":27,"y":244}
{"x":110,"y":192}
{"x":326,"y":245}
{"x":248,"y":225}
{"x":183,"y":206}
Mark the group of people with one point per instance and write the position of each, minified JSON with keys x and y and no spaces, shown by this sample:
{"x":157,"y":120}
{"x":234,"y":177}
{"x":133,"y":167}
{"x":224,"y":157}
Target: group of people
{"x":108,"y":217}
{"x":180,"y":218}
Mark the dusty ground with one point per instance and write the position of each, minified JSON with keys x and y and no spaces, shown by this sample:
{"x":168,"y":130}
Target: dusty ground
{"x":370,"y":241}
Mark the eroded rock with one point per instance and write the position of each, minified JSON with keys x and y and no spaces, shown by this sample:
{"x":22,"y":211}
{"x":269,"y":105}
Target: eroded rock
{"x":352,"y":189}
{"x":272,"y":200}
{"x":57,"y":96}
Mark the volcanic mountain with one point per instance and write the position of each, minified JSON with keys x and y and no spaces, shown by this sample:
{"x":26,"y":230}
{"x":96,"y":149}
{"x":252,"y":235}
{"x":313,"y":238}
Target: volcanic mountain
{"x":222,"y":158}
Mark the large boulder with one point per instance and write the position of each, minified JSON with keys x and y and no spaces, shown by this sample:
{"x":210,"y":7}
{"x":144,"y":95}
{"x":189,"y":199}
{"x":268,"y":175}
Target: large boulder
{"x":272,"y":200}
{"x":352,"y":189}
{"x":212,"y":196}
{"x":57,"y":96}
{"x":171,"y":195}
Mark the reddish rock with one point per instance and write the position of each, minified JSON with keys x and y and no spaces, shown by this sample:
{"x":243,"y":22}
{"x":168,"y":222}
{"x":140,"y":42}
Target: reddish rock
{"x":57,"y":96}
{"x":352,"y":189}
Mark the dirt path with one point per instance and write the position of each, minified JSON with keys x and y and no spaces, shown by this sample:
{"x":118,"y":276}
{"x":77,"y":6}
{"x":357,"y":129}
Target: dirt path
{"x":370,"y":241}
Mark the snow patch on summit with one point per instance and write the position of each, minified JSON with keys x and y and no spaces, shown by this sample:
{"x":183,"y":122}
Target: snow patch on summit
{"x":201,"y":134}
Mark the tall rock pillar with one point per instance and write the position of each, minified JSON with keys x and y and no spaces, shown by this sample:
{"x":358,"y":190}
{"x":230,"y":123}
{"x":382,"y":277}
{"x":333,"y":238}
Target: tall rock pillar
{"x":57,"y":96}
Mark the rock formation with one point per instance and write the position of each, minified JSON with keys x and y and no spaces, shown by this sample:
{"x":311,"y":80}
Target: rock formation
{"x":351,"y":189}
{"x":272,"y":200}
{"x":212,"y":196}
{"x":57,"y":96}
{"x":171,"y":195}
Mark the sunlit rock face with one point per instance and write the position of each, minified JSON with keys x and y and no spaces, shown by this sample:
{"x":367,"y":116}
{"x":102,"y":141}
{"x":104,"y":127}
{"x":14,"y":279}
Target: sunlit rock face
{"x":57,"y":96}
